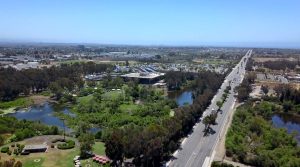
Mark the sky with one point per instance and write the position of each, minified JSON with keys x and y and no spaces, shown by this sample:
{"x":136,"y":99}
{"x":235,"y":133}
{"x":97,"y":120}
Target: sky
{"x":153,"y":22}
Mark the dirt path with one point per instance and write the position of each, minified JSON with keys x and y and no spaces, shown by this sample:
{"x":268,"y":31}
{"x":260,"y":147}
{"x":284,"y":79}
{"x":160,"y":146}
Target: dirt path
{"x":40,"y":99}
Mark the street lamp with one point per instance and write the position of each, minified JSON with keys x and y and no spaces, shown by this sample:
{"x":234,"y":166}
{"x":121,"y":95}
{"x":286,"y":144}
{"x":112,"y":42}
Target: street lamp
{"x":64,"y":129}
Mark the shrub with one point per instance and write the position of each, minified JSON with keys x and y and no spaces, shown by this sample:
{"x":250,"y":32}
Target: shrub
{"x":220,"y":164}
{"x":4,"y":149}
{"x":16,"y":151}
{"x":9,"y":152}
{"x":67,"y":145}
{"x":52,"y":145}
{"x":13,"y":145}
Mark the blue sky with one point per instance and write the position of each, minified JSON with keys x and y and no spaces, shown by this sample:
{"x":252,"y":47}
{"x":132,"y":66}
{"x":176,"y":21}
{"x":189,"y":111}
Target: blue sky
{"x":153,"y":22}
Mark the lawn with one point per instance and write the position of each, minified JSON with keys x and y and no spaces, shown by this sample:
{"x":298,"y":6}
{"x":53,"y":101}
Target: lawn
{"x":33,"y":162}
{"x":99,"y":148}
{"x":54,"y":158}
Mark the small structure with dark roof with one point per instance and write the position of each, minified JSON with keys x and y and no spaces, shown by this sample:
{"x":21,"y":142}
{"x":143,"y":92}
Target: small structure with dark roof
{"x":35,"y":148}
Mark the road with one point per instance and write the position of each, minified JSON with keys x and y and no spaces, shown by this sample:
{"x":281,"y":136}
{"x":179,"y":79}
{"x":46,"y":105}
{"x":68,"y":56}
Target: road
{"x":198,"y":150}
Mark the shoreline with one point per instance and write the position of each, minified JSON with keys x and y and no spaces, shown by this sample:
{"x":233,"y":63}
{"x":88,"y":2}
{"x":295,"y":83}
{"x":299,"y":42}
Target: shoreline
{"x":33,"y":100}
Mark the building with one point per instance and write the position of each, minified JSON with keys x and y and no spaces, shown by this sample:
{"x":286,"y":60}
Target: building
{"x":35,"y":148}
{"x":144,"y":78}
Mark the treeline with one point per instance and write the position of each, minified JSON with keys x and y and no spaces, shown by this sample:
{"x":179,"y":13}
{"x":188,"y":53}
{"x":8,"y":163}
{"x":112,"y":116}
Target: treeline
{"x":177,"y":79}
{"x":66,"y":76}
{"x":286,"y":92}
{"x":288,"y":96}
{"x":245,"y":88}
{"x":23,"y":129}
{"x":280,"y":64}
{"x":150,"y":145}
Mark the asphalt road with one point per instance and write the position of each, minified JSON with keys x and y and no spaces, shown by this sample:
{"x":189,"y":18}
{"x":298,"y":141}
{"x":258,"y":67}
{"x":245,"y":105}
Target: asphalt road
{"x":198,"y":150}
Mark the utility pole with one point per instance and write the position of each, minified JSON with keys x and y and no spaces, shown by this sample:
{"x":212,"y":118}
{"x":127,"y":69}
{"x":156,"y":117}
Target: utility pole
{"x":64,"y":129}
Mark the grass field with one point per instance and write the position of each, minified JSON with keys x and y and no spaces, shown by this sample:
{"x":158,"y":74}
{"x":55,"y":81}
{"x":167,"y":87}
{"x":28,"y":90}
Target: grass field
{"x":99,"y":148}
{"x":55,"y":157}
{"x":34,"y":162}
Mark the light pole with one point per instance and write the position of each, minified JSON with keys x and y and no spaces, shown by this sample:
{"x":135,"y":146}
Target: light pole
{"x":64,"y":129}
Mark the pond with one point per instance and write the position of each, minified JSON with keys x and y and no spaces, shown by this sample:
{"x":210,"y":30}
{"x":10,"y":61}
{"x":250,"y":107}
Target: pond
{"x":46,"y":115}
{"x":182,"y":97}
{"x":289,"y":122}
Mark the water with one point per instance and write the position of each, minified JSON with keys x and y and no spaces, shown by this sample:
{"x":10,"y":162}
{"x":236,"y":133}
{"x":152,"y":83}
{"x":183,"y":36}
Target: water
{"x":43,"y":114}
{"x":46,"y":115}
{"x":182,"y":97}
{"x":289,"y":122}
{"x":94,"y":130}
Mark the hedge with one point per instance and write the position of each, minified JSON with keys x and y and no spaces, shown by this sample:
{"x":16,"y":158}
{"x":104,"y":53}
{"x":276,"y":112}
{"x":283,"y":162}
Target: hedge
{"x":67,"y":145}
{"x":4,"y":149}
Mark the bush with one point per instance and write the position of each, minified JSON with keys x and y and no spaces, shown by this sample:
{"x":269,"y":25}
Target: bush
{"x":220,"y":164}
{"x":9,"y":152}
{"x":16,"y":151}
{"x":13,"y":145}
{"x":67,"y":145}
{"x":4,"y":149}
{"x":98,"y":135}
{"x":52,"y":145}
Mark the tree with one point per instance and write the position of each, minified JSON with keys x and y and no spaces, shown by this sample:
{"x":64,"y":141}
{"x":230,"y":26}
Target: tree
{"x":1,"y":140}
{"x":56,"y":89}
{"x":210,"y":120}
{"x":18,"y":164}
{"x":265,"y":89}
{"x":219,"y":104}
{"x":86,"y":144}
{"x":206,"y":122}
{"x":287,"y":106}
{"x":114,"y":147}
{"x":158,"y":56}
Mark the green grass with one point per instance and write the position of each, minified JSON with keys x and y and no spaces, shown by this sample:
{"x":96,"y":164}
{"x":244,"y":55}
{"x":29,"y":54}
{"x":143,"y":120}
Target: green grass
{"x":85,"y":99}
{"x":128,"y":107}
{"x":30,"y":162}
{"x":67,"y":160}
{"x":7,"y":111}
{"x":46,"y":93}
{"x":10,"y":106}
{"x":99,"y":148}
{"x":112,"y":94}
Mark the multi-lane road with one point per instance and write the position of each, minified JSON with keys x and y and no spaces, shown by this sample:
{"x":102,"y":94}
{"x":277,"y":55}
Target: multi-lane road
{"x":198,"y":150}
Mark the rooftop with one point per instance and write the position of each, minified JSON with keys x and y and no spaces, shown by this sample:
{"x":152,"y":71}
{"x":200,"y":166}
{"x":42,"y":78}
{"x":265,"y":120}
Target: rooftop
{"x":143,"y":75}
